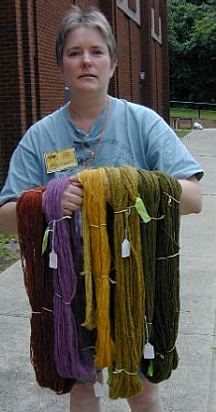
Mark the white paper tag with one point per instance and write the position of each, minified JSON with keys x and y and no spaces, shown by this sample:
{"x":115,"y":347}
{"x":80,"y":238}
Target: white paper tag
{"x":148,"y":351}
{"x":125,"y":248}
{"x":99,"y":390}
{"x":53,"y":264}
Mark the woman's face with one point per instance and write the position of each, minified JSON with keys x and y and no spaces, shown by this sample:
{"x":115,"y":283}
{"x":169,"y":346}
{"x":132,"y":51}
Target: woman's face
{"x":86,"y":63}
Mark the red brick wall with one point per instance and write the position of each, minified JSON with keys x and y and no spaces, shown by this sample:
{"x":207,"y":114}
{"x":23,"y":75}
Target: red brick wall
{"x":50,"y":81}
{"x":164,"y":67}
{"x":10,"y":110}
{"x":135,"y":58}
{"x":123,"y":67}
{"x":129,"y":57}
{"x":87,"y":3}
{"x":155,"y":86}
{"x":109,"y":9}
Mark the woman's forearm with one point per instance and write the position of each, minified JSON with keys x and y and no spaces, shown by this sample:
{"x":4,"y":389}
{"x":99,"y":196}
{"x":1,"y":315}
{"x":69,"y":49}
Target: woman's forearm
{"x":191,"y":197}
{"x":8,"y":222}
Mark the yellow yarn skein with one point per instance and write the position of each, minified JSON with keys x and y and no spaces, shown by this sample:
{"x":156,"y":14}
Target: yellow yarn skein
{"x":97,"y":261}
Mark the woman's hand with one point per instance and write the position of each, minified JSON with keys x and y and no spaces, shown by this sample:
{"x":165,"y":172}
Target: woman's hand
{"x":191,"y":197}
{"x":72,"y":197}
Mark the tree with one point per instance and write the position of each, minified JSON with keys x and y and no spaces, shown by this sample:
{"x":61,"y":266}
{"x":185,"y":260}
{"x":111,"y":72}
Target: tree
{"x":192,"y":49}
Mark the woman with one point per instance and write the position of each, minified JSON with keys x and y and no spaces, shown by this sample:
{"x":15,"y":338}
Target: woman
{"x":94,"y":130}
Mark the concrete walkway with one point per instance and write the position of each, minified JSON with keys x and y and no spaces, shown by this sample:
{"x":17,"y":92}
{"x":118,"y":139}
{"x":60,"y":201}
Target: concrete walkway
{"x":192,"y":387}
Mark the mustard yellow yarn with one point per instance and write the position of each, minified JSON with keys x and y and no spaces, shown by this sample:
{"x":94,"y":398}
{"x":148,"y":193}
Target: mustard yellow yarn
{"x":97,"y":262}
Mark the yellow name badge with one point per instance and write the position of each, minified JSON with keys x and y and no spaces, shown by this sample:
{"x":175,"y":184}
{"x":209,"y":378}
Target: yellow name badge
{"x":60,"y":160}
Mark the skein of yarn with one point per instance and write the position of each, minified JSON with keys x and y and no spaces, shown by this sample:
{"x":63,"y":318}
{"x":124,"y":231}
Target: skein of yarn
{"x":66,"y":349}
{"x":119,"y":306}
{"x":39,"y":288}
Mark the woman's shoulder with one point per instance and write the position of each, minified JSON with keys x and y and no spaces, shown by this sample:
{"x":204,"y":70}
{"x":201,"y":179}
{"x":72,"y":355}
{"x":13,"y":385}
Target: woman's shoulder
{"x":50,"y":119}
{"x":134,"y":108}
{"x":143,"y":117}
{"x":45,"y":128}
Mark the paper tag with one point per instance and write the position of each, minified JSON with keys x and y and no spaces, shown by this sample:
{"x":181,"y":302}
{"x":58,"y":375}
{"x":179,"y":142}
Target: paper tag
{"x":148,"y":352}
{"x":99,"y":390}
{"x":53,"y":264}
{"x":125,"y":248}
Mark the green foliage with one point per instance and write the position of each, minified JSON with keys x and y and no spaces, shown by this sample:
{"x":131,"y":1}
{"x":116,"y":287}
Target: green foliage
{"x":5,"y":250}
{"x":203,"y":36}
{"x":182,"y":133}
{"x":204,"y":114}
{"x":2,"y":245}
{"x":192,"y":49}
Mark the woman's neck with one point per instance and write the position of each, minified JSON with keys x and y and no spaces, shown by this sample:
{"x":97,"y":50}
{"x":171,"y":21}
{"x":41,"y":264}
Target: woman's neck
{"x":84,"y":112}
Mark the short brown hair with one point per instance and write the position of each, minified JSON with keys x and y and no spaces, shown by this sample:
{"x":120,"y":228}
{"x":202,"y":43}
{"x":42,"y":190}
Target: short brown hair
{"x":90,"y":17}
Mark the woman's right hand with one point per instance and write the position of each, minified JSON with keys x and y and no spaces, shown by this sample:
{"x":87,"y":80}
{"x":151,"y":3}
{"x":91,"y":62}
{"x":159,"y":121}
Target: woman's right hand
{"x":72,"y":197}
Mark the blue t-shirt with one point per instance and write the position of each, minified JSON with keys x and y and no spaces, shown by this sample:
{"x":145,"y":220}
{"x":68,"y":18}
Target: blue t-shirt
{"x":124,"y":134}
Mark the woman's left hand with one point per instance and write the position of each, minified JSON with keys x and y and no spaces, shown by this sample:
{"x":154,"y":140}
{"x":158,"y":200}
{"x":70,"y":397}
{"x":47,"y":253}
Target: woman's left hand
{"x":191,"y":197}
{"x":72,"y":197}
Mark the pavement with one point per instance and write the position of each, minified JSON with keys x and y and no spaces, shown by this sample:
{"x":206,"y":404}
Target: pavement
{"x":192,"y":387}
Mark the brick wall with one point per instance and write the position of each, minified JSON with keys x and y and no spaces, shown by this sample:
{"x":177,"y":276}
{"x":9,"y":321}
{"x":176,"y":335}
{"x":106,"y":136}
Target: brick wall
{"x":51,"y":86}
{"x":109,"y":9}
{"x":135,"y":59}
{"x":123,"y":67}
{"x":10,"y":109}
{"x":164,"y":67}
{"x":155,"y":86}
{"x":31,"y":83}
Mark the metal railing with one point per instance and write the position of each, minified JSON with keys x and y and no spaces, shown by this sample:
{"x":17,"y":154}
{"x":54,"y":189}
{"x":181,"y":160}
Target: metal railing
{"x":199,"y":107}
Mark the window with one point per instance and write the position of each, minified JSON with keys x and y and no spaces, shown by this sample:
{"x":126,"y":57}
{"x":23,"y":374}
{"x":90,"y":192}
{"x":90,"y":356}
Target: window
{"x":131,"y":8}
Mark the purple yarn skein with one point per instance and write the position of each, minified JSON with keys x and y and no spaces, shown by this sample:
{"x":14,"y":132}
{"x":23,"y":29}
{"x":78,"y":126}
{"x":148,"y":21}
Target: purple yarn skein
{"x":66,"y":351}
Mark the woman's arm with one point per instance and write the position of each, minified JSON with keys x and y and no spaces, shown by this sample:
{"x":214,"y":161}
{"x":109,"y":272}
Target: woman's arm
{"x":72,"y":199}
{"x":191,"y":197}
{"x":8,"y":218}
{"x":191,"y":202}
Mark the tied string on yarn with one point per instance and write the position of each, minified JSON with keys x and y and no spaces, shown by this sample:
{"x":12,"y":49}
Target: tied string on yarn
{"x":97,"y":262}
{"x":69,"y":363}
{"x":124,"y":379}
{"x":38,"y":285}
{"x":166,"y":303}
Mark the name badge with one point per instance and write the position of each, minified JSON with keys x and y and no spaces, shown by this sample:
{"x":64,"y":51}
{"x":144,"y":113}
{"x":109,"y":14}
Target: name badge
{"x":60,"y":160}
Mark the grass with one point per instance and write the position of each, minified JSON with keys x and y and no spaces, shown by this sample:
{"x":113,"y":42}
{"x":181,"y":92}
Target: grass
{"x":3,"y":243}
{"x":204,"y":114}
{"x":8,"y":255}
{"x":182,"y":132}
